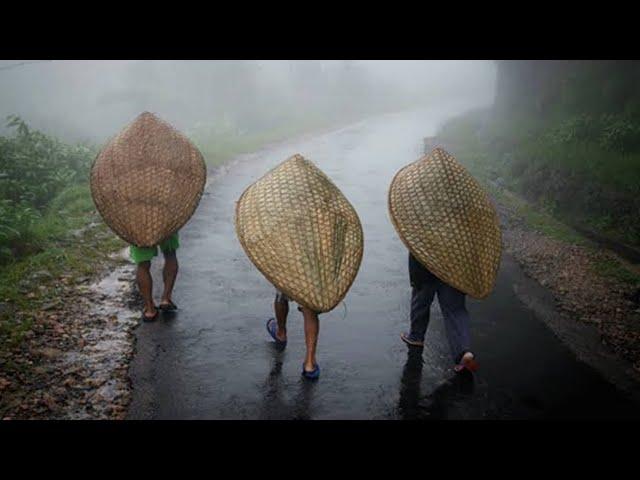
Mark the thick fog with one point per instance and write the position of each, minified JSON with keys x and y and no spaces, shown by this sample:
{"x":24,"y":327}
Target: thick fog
{"x":91,"y":100}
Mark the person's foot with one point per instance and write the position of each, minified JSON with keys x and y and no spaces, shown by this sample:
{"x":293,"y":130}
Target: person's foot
{"x":278,"y":337}
{"x":167,"y":306}
{"x":467,"y":362}
{"x":406,"y":338}
{"x":311,"y":372}
{"x":150,"y":315}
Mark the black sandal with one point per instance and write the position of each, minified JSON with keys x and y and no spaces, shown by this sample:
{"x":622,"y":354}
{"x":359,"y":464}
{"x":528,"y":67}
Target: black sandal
{"x":170,"y":307}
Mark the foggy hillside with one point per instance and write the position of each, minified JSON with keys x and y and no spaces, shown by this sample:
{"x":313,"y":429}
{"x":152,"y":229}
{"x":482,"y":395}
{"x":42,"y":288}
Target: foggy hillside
{"x":91,"y":100}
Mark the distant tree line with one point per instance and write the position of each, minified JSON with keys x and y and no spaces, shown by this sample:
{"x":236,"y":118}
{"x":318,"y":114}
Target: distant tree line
{"x":563,"y":87}
{"x":242,"y":93}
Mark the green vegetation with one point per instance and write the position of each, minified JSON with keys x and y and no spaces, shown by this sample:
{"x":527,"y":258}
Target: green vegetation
{"x":582,"y":155}
{"x":43,"y":192}
{"x":48,"y":225}
{"x":537,"y":218}
{"x":613,"y":268}
{"x":582,"y":169}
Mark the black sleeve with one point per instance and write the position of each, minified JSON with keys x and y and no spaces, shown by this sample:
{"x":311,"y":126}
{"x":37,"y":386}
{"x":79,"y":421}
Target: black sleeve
{"x":418,"y":275}
{"x":416,"y":272}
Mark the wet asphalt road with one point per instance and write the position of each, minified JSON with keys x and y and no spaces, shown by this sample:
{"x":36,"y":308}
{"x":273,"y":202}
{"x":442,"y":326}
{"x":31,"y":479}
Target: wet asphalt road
{"x":214,"y":359}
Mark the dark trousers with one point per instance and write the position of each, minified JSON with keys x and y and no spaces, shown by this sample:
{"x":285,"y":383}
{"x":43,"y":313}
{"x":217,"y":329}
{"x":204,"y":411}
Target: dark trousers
{"x":425,"y":285}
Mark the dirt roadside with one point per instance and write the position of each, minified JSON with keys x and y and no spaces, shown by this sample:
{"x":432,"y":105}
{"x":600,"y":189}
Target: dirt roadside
{"x":73,"y":362}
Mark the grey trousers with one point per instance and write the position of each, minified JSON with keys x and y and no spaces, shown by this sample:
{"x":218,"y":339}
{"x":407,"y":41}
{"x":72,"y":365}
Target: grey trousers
{"x":454,"y":311}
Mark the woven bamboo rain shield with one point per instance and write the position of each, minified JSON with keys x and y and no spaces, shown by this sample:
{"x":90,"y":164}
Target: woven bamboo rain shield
{"x":147,"y":181}
{"x":447,"y":221}
{"x":301,"y":232}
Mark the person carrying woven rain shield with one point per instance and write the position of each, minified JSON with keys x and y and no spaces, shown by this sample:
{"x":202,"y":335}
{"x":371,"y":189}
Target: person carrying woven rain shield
{"x":304,"y":236}
{"x":146,"y":183}
{"x":452,"y":233}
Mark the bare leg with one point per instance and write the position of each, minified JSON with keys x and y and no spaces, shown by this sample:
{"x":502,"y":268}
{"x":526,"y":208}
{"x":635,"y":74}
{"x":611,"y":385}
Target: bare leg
{"x":169,"y":274}
{"x":282,"y":310}
{"x":311,"y":330}
{"x":145,"y":284}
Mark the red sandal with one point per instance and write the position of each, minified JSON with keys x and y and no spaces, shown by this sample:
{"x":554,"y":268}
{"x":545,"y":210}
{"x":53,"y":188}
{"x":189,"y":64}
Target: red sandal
{"x":467,"y":363}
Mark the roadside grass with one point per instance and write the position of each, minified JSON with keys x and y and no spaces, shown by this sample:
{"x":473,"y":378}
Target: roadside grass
{"x":220,"y":145}
{"x":69,"y":241}
{"x":218,"y":149}
{"x":517,"y":146}
{"x":28,"y":284}
{"x":613,"y":268}
{"x":538,"y":219}
{"x":617,"y":170}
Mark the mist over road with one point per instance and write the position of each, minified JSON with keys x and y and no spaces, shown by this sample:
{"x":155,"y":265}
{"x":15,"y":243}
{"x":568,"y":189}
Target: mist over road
{"x":215,"y":360}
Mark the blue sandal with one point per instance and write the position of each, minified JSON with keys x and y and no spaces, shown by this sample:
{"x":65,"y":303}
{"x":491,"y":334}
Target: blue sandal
{"x":313,"y":374}
{"x":271,"y":328}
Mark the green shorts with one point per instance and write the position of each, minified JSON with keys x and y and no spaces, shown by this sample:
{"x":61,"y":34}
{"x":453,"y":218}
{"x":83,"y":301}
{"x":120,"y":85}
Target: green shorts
{"x":145,"y":254}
